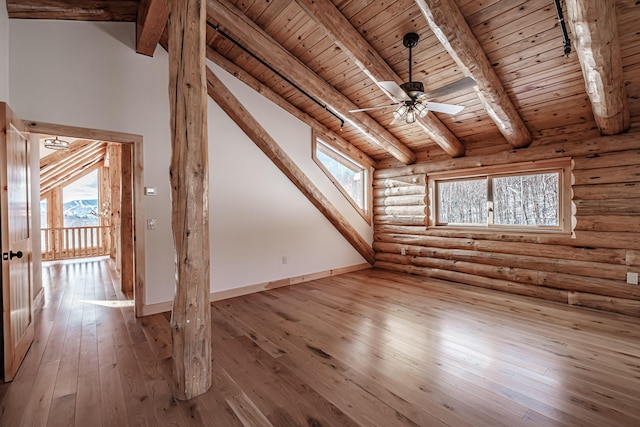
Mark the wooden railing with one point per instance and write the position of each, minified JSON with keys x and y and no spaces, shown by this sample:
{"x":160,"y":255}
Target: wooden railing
{"x":75,"y":242}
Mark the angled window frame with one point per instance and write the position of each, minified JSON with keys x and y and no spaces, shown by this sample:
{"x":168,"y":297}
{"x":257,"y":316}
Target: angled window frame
{"x":561,"y":166}
{"x":350,"y":163}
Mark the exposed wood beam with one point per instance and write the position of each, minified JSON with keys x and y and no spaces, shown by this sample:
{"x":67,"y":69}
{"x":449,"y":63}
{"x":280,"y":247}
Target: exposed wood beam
{"x":84,"y":10}
{"x":85,"y":133}
{"x":451,"y":29}
{"x":191,"y":315}
{"x":330,"y":137}
{"x":251,"y":35}
{"x":241,"y":116}
{"x":334,"y":23}
{"x":151,"y":22}
{"x":115,"y":178}
{"x":595,"y":30}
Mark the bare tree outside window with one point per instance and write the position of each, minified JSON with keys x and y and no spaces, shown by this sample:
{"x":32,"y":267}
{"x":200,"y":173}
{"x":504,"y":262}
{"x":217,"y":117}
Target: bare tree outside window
{"x":462,"y":202}
{"x":526,"y":200}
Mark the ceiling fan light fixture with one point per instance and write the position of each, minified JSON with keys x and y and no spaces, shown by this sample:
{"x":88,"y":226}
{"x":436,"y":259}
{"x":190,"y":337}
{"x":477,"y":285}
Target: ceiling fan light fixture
{"x":56,"y":144}
{"x":411,"y":115}
{"x":421,"y":109}
{"x":400,"y":112}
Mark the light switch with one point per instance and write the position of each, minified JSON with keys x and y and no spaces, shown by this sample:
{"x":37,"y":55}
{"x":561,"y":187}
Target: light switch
{"x":149,"y":191}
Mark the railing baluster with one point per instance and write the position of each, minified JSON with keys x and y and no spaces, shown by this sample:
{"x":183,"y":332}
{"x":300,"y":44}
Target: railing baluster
{"x":75,"y":242}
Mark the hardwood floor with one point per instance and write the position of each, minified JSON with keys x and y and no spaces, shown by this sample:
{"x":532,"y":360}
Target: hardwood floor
{"x":371,"y":348}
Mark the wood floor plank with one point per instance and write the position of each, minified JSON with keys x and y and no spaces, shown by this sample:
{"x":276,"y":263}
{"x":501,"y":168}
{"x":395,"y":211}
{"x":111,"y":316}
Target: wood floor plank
{"x":36,"y":412}
{"x":88,"y":406}
{"x":247,"y":412}
{"x":113,"y":406}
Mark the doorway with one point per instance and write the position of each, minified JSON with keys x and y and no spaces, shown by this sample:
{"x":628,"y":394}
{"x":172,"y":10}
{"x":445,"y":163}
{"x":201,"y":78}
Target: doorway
{"x":130,"y":163}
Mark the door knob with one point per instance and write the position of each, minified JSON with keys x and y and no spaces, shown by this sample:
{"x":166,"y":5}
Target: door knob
{"x":13,"y":255}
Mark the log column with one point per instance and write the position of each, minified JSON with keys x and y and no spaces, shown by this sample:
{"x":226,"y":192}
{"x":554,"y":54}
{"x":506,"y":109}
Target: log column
{"x":191,"y":316}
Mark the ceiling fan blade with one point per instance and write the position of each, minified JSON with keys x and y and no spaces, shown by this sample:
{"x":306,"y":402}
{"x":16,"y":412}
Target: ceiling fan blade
{"x":454,"y":87}
{"x":394,"y":89}
{"x":443,"y":108}
{"x":380,"y":107}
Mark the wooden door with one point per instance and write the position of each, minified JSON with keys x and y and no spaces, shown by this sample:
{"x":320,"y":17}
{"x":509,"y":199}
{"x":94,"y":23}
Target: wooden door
{"x":15,"y":233}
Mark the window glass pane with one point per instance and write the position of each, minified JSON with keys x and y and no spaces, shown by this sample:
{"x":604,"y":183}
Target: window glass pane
{"x":347,"y":174}
{"x":79,"y":199}
{"x":43,"y":213}
{"x":462,"y":202}
{"x":526,"y":200}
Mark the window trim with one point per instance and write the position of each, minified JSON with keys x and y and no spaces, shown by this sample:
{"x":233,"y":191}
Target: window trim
{"x":562,"y":165}
{"x":351,"y":164}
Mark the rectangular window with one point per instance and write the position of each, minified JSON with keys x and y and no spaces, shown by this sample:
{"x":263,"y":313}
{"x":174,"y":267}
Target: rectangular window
{"x":351,"y":178}
{"x":526,"y":197}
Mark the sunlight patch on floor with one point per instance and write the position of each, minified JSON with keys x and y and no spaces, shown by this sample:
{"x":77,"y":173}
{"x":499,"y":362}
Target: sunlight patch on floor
{"x":112,"y":304}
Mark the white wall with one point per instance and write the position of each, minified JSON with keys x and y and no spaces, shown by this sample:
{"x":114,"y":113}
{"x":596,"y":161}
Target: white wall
{"x":88,"y":75}
{"x":262,"y":216}
{"x":4,"y":52}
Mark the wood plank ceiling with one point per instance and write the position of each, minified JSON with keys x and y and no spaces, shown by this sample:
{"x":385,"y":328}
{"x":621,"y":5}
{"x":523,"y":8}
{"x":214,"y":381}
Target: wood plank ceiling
{"x":337,"y":51}
{"x":63,"y":167}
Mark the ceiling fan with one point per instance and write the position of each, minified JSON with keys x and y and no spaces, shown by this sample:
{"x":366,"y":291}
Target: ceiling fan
{"x":411,"y":98}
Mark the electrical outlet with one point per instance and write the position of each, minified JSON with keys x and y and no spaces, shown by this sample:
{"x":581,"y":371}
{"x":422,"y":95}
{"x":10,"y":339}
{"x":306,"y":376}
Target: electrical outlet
{"x":151,"y":224}
{"x":284,"y":259}
{"x":632,"y":278}
{"x":403,"y":251}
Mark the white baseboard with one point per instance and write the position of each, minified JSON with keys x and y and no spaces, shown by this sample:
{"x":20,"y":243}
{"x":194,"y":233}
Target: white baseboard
{"x":149,"y":309}
{"x":161,"y":307}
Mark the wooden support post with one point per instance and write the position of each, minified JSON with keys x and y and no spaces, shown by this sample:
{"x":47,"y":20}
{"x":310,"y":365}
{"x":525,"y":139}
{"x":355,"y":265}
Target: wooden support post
{"x":191,"y":315}
{"x":105,"y":201}
{"x":126,"y":219}
{"x":114,"y":177}
{"x":56,"y":217}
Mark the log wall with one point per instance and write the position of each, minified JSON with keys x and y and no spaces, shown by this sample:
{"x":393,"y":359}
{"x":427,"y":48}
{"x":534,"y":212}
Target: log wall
{"x":587,"y":269}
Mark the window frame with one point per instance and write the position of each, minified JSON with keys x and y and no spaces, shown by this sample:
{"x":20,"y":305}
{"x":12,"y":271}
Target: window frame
{"x":352,"y":164}
{"x":562,"y":166}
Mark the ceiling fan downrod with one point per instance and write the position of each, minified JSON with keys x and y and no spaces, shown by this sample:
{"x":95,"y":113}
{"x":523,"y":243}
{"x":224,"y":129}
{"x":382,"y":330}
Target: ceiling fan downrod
{"x":413,"y":89}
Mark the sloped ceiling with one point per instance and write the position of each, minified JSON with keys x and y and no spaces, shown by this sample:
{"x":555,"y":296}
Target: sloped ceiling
{"x":63,"y":167}
{"x":338,"y":50}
